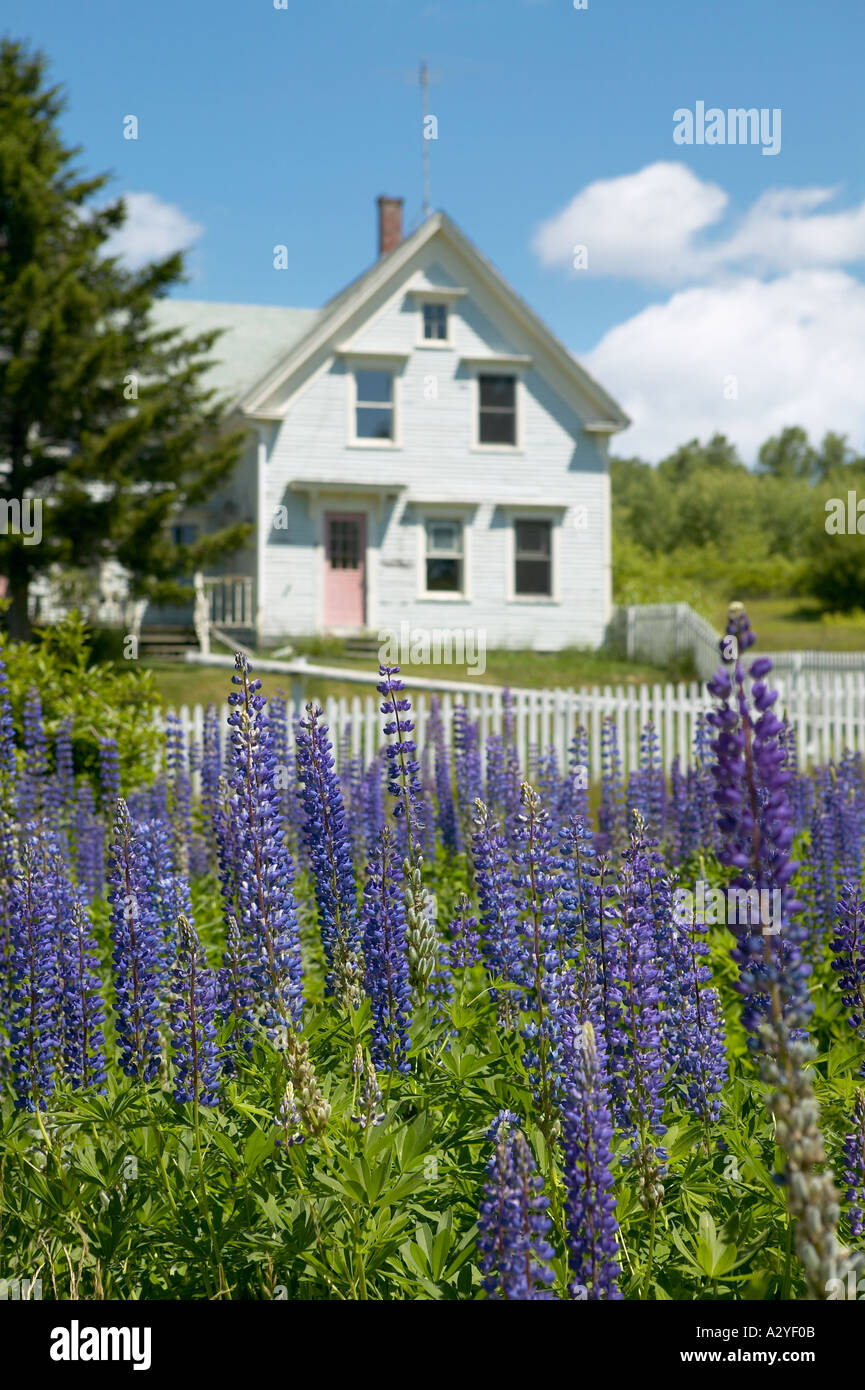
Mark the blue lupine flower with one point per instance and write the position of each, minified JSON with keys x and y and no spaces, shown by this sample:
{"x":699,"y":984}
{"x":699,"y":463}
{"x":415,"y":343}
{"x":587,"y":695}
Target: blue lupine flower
{"x":757,"y":833}
{"x":468,"y":776}
{"x":611,"y":812}
{"x":371,"y":800}
{"x":385,"y":955}
{"x":578,"y":916}
{"x":83,"y":1006}
{"x":136,"y":956}
{"x":574,"y":796}
{"x":538,"y":884}
{"x":498,"y":913}
{"x":34,"y":771}
{"x":639,"y":979}
{"x":325,"y":833}
{"x":848,"y":946}
{"x":266,"y":910}
{"x":402,"y":764}
{"x":447,"y":817}
{"x":89,"y":845}
{"x":512,"y":1220}
{"x":465,"y":941}
{"x":34,"y":980}
{"x":211,"y":770}
{"x":590,"y":1209}
{"x":180,"y":788}
{"x":192,"y":1015}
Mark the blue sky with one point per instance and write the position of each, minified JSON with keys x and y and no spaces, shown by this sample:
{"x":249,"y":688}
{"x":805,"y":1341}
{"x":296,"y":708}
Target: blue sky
{"x":724,"y":287}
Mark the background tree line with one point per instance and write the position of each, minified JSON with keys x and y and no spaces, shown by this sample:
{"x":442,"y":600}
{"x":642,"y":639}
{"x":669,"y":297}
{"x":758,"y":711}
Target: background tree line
{"x":700,"y":521}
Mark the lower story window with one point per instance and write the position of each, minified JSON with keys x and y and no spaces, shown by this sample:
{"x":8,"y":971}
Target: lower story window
{"x":533,"y":552}
{"x":444,"y":556}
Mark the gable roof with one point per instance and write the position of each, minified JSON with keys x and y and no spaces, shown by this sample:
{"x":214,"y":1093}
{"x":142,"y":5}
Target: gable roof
{"x":265,"y":346}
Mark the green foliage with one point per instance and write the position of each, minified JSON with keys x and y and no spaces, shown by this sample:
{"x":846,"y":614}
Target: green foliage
{"x":701,"y":522}
{"x":104,"y":700}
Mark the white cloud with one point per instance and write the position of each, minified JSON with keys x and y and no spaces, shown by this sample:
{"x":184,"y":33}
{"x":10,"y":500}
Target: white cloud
{"x":153,"y":229}
{"x":795,"y":345}
{"x":662,"y":226}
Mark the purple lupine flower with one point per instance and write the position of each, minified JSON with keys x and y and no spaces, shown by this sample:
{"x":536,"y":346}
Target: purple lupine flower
{"x":756,"y":830}
{"x":283,"y":743}
{"x":266,"y":909}
{"x":33,"y":980}
{"x":89,"y":845}
{"x":611,"y":812}
{"x":578,"y":917}
{"x":574,"y":797}
{"x":854,"y":1171}
{"x":756,"y":834}
{"x":325,"y":833}
{"x":848,"y":946}
{"x":83,"y":1006}
{"x":109,"y":773}
{"x":538,"y":884}
{"x":465,"y":941}
{"x":180,"y":786}
{"x":678,"y":811}
{"x":549,"y":786}
{"x":643,"y":1069}
{"x":136,"y":939}
{"x":192,"y":1015}
{"x":211,"y":769}
{"x":590,"y":1209}
{"x":60,"y":788}
{"x":695,"y":1032}
{"x":371,"y":801}
{"x":401,"y":755}
{"x":447,"y":816}
{"x":385,"y":955}
{"x":33,"y":773}
{"x":468,"y":776}
{"x":512,"y":1220}
{"x":498,"y":913}
{"x":496,"y":786}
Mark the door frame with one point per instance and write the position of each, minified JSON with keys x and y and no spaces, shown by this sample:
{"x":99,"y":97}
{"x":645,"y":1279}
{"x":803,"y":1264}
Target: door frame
{"x":347,"y":502}
{"x":339,"y":514}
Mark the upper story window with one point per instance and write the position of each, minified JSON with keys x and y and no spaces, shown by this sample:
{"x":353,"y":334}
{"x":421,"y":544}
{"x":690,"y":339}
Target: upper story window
{"x":444,"y":556}
{"x":435,"y":323}
{"x":533,"y":553}
{"x":497,"y":419}
{"x":373,"y":404}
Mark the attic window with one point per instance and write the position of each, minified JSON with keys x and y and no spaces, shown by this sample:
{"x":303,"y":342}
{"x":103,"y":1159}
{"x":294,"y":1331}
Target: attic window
{"x":435,"y":323}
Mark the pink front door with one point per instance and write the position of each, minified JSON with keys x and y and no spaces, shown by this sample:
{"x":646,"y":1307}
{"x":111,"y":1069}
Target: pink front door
{"x":344,"y":556}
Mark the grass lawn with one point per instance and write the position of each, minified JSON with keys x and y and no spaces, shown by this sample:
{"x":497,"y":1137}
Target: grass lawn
{"x":792,"y":624}
{"x":179,"y":683}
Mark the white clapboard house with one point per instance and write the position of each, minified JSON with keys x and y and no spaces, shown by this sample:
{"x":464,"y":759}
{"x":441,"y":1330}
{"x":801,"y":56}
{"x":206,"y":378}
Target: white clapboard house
{"x":422,"y":451}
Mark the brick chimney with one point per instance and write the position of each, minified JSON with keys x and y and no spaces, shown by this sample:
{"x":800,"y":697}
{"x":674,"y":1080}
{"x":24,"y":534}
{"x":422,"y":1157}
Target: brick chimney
{"x":389,"y":224}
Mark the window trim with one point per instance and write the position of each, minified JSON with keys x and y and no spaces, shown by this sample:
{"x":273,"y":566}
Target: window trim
{"x":446,"y":512}
{"x":373,"y":364}
{"x":436,"y":344}
{"x":554,"y":517}
{"x":494,"y":369}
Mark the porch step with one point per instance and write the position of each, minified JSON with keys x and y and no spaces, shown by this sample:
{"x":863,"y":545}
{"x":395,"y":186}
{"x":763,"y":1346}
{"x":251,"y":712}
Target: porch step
{"x":363,"y":644}
{"x":167,"y":643}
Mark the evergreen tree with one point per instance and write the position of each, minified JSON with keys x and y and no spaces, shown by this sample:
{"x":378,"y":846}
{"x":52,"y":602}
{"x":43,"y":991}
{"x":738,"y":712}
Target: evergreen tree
{"x":105,"y":426}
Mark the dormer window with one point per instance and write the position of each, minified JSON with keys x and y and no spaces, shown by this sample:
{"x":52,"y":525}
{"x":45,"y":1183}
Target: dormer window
{"x":435,"y":323}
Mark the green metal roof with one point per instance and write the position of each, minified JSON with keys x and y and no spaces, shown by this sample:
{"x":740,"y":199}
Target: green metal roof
{"x":257,"y":337}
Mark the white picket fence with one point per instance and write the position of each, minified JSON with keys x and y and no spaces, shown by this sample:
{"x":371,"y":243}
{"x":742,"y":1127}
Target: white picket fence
{"x":827,"y":712}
